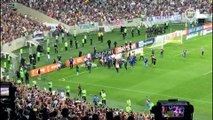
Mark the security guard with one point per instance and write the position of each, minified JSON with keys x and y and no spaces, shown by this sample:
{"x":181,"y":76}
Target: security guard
{"x":84,"y":94}
{"x":66,"y":46}
{"x":68,"y":91}
{"x":50,"y":84}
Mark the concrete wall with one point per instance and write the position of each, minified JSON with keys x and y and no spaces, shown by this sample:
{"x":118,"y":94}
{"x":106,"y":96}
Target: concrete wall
{"x":38,"y":15}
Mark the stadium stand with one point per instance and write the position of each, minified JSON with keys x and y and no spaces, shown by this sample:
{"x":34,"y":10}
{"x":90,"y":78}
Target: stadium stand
{"x":34,"y":104}
{"x":77,"y":12}
{"x":14,"y":25}
{"x":72,"y":12}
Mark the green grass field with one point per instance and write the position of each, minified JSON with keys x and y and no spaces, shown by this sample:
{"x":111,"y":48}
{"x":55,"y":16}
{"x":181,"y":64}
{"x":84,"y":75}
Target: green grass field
{"x":173,"y":77}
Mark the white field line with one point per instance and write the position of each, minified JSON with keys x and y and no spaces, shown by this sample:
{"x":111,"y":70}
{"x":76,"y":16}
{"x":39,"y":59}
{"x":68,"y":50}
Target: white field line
{"x":207,"y":73}
{"x":137,"y":91}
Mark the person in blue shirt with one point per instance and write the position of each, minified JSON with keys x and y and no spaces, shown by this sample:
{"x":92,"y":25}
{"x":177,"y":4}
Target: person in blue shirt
{"x":95,"y":100}
{"x":184,"y":53}
{"x":131,"y":61}
{"x":71,"y":62}
{"x":146,"y":62}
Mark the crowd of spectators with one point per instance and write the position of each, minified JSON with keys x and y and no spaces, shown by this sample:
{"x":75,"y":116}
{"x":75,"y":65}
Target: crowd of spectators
{"x":74,"y":12}
{"x":14,"y":25}
{"x":35,"y":104}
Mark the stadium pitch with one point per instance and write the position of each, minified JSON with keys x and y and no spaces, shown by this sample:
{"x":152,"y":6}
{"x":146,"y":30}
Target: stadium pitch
{"x":187,"y":78}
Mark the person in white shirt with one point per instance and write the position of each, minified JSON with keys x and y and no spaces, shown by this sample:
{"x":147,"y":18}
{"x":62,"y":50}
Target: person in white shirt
{"x":117,"y":66}
{"x":48,"y":58}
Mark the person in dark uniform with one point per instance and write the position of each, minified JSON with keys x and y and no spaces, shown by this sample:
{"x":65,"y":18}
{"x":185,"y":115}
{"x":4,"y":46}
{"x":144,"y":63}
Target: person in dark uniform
{"x":109,"y":43}
{"x":153,"y":61}
{"x":89,"y":66}
{"x":115,"y":44}
{"x":125,"y":64}
{"x":76,"y":44}
{"x":132,"y":31}
{"x":56,"y":47}
{"x":18,"y":75}
{"x":39,"y":74}
{"x":71,"y":43}
{"x":130,"y":45}
{"x":95,"y":50}
{"x":79,"y":53}
{"x":161,"y":52}
{"x":26,"y":77}
{"x":202,"y":51}
{"x":90,"y":41}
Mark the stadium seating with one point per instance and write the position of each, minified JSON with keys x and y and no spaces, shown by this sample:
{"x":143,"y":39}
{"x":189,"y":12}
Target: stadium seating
{"x":74,"y":12}
{"x":32,"y":103}
{"x":14,"y":25}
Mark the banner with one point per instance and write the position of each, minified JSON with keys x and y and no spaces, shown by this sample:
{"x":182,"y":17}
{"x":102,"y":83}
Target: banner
{"x":145,"y":42}
{"x":195,"y":34}
{"x":195,"y":29}
{"x":38,"y":35}
{"x":163,"y":19}
{"x":87,"y":26}
{"x":207,"y":26}
{"x":116,"y":22}
{"x":76,"y":61}
{"x":124,"y":48}
{"x":207,"y":31}
{"x":148,"y":41}
{"x":43,"y":70}
{"x":105,"y":52}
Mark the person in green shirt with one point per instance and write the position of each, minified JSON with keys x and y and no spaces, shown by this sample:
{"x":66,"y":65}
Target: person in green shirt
{"x":138,"y":28}
{"x":5,"y":66}
{"x":103,"y":96}
{"x":83,"y":42}
{"x":34,"y":83}
{"x":48,"y":50}
{"x":8,"y":59}
{"x":100,"y":103}
{"x":22,"y":76}
{"x":84,"y":94}
{"x":167,"y":24}
{"x":85,"y":39}
{"x":21,"y":52}
{"x":62,"y":37}
{"x":67,"y":90}
{"x":125,"y":31}
{"x":77,"y":70}
{"x":8,"y":77}
{"x":186,"y":25}
{"x":50,"y":85}
{"x":66,"y":46}
{"x":19,"y":81}
{"x":38,"y":56}
{"x":48,"y":41}
{"x":11,"y":66}
{"x":151,"y":104}
{"x":74,"y":34}
{"x":56,"y":38}
{"x":128,"y":109}
{"x":102,"y":37}
{"x":28,"y":85}
{"x":128,"y":102}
